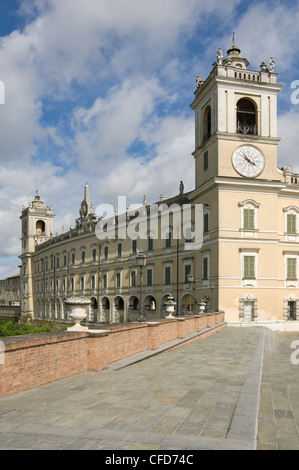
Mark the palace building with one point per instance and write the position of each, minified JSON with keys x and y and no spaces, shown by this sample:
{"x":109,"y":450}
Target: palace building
{"x":245,"y":261}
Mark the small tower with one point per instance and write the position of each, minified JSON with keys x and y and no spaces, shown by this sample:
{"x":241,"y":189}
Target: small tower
{"x":37,"y":227}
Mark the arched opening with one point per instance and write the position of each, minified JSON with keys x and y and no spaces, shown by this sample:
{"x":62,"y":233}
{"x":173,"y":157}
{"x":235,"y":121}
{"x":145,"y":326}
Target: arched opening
{"x":133,"y":308}
{"x":93,"y":309}
{"x":40,"y":227}
{"x":188,"y":305}
{"x":119,"y":309}
{"x":207,"y":123}
{"x":246,"y":117}
{"x":58,"y":309}
{"x":150,"y":307}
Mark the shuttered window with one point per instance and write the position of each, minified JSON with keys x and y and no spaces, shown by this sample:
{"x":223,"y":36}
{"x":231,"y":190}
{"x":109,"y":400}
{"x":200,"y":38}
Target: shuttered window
{"x":292,"y":268}
{"x":291,"y":223}
{"x":249,"y":267}
{"x":248,"y":219}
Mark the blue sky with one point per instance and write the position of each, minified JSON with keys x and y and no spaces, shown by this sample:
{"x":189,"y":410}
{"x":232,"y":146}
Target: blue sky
{"x":98,"y":91}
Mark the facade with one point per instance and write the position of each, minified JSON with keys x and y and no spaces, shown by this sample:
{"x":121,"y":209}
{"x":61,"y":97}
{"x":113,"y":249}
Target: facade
{"x":245,"y":260}
{"x":10,"y":291}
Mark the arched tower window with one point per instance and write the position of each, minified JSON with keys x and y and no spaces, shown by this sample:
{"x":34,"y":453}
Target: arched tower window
{"x":246,"y":117}
{"x":207,"y":123}
{"x":40,"y":227}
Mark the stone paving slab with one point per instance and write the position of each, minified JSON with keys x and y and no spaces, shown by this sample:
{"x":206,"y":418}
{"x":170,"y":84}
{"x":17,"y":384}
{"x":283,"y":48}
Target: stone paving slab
{"x":236,"y":389}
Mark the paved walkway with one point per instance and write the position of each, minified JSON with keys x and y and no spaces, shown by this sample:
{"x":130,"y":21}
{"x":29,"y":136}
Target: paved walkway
{"x":202,"y":395}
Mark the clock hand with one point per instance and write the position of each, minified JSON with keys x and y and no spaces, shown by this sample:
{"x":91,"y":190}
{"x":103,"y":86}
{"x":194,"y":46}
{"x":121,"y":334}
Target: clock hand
{"x":248,"y":159}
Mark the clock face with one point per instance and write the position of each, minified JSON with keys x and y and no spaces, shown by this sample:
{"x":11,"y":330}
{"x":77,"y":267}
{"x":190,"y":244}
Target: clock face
{"x":248,"y":161}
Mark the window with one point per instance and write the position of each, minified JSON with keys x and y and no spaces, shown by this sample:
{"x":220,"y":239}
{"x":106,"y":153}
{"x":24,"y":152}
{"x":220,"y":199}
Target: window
{"x":167,"y":275}
{"x":119,"y":249}
{"x":105,"y":281}
{"x":64,"y":284}
{"x":57,"y":262}
{"x":248,"y":219}
{"x":207,"y":124}
{"x":73,"y":258}
{"x":118,"y":280}
{"x":93,"y":281}
{"x":64,"y":260}
{"x":72,"y":284}
{"x":133,"y":278}
{"x":206,"y":160}
{"x":134,"y":247}
{"x":291,"y":224}
{"x":106,"y":252}
{"x":292,"y":269}
{"x":83,"y":257}
{"x":40,"y":227}
{"x":168,"y":240}
{"x":82,"y":283}
{"x":187,"y":270}
{"x":205,"y":268}
{"x":150,"y":244}
{"x":206,"y":220}
{"x":249,"y":267}
{"x":246,"y":117}
{"x":149,"y":277}
{"x":94,"y":255}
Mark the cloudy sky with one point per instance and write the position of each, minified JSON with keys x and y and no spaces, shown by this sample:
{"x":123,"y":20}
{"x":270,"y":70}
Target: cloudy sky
{"x":98,"y":91}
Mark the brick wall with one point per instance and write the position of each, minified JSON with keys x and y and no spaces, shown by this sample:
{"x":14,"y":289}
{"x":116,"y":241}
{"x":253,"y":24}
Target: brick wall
{"x":34,"y":360}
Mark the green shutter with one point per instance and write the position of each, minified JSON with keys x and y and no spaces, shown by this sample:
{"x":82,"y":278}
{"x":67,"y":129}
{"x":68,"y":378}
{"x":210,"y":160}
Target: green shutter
{"x":168,"y":241}
{"x":205,"y":268}
{"x":167,"y":276}
{"x":291,"y":223}
{"x":133,"y":278}
{"x":249,"y":267}
{"x":291,"y":268}
{"x":150,"y":244}
{"x":149,"y":278}
{"x":119,"y":247}
{"x":248,"y":219}
{"x":206,"y":223}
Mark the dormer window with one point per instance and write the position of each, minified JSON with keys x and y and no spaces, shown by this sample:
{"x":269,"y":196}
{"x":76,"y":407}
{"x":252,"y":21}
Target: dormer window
{"x":246,"y":117}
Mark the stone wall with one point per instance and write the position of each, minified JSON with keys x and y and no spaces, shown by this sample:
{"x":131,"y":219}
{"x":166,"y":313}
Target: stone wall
{"x":34,"y":360}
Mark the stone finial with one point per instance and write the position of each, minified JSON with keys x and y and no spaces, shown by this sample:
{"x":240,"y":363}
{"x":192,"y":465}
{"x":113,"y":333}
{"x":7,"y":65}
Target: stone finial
{"x":219,"y":56}
{"x":271,"y":64}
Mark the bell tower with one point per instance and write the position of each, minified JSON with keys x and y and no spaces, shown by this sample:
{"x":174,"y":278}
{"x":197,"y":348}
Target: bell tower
{"x":236,"y":120}
{"x":37,"y":227}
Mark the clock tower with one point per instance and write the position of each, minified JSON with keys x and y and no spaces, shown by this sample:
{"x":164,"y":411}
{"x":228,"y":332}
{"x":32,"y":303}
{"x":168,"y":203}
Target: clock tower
{"x":244,"y":263}
{"x":236,"y":120}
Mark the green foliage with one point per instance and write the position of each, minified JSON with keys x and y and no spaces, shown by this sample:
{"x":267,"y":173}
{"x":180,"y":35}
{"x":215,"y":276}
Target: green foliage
{"x":12,"y":328}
